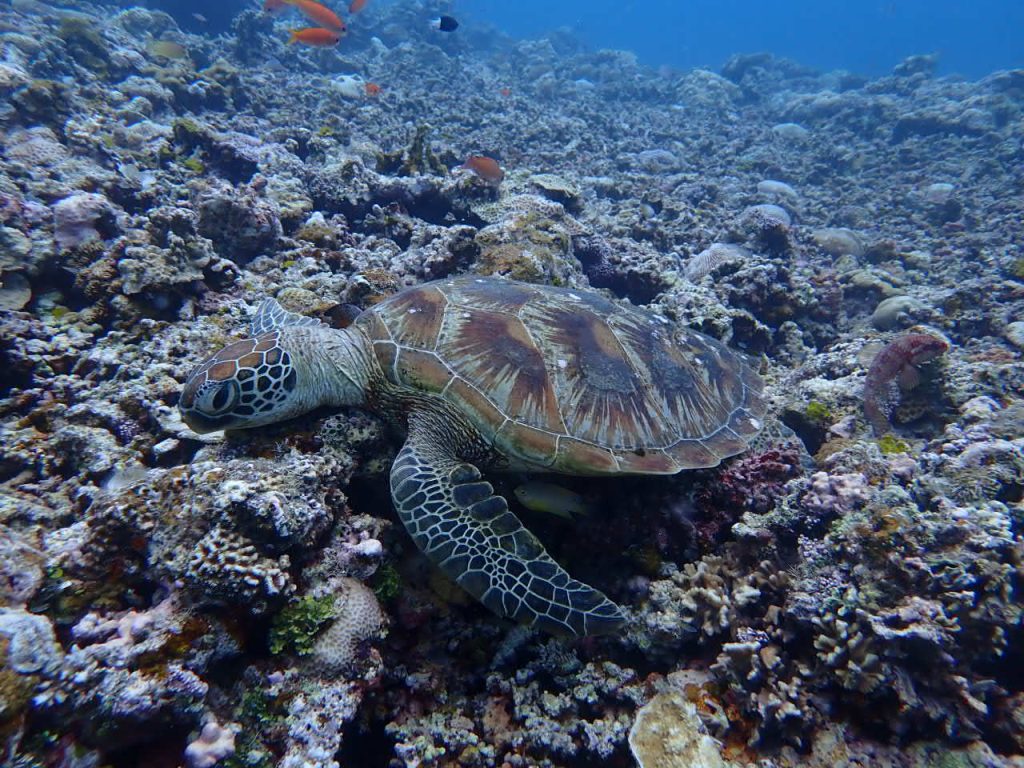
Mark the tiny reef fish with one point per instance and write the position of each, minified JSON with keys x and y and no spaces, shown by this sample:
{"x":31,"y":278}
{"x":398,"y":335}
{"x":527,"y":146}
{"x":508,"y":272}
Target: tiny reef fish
{"x":273,"y":6}
{"x":320,"y":14}
{"x":315,"y":36}
{"x":896,"y":364}
{"x":372,"y":89}
{"x":486,"y":168}
{"x":166,"y":49}
{"x":551,"y":498}
{"x":445,"y":23}
{"x":356,"y":6}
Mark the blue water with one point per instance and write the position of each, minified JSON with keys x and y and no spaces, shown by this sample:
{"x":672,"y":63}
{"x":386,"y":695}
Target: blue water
{"x":972,"y":37}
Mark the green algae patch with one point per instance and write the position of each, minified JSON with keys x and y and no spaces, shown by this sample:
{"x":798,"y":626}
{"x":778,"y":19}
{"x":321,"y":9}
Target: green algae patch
{"x":889,"y":444}
{"x":387,"y":584}
{"x":194,"y":164}
{"x":85,"y":44}
{"x":818,"y":413}
{"x":297,"y":624}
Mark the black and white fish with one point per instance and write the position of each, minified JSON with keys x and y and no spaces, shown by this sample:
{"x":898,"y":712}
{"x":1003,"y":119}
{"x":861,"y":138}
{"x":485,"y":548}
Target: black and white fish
{"x":445,"y":23}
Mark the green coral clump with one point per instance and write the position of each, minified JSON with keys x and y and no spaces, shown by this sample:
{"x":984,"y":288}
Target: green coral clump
{"x":889,"y":444}
{"x":1017,"y":269}
{"x":417,"y":159}
{"x":532,"y":248}
{"x":298,"y":623}
{"x":387,"y":584}
{"x":194,"y":164}
{"x":189,"y":133}
{"x":321,"y":235}
{"x":85,"y":44}
{"x":15,"y":692}
{"x":818,"y":413}
{"x":43,"y":101}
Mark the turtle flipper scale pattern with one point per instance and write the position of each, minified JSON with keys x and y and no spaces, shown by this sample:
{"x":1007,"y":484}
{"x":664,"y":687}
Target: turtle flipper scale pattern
{"x":456,"y":519}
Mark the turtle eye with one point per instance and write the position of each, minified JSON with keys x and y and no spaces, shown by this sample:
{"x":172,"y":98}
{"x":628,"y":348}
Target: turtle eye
{"x":218,"y":400}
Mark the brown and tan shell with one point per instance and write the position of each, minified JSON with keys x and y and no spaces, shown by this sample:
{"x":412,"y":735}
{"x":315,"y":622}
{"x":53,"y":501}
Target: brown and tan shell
{"x":568,"y":380}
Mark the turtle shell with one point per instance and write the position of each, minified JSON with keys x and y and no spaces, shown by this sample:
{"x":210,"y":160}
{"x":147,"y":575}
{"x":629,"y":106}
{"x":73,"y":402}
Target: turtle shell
{"x":566,"y":380}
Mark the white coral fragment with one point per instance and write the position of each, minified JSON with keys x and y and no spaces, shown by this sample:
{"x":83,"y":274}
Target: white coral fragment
{"x":668,"y":733}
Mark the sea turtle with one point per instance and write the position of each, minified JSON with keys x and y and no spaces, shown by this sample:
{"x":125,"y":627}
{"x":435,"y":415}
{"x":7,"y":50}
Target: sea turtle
{"x":491,"y":373}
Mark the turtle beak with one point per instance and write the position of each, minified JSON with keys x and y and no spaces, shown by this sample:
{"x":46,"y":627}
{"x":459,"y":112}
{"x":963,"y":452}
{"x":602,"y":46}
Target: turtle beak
{"x":198,"y":423}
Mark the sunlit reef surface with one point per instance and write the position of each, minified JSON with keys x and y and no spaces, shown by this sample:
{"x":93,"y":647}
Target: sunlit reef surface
{"x":175,"y":599}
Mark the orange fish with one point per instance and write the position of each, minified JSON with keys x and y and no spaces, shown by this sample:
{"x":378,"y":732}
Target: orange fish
{"x":322,"y":38}
{"x":320,"y":14}
{"x":486,"y":168}
{"x":372,"y":89}
{"x":356,"y":6}
{"x":506,"y":92}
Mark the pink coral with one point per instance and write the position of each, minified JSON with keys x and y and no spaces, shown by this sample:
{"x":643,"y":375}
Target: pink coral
{"x":750,"y":484}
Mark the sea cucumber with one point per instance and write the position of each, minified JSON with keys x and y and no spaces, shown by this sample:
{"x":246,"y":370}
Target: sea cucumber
{"x":896,"y":364}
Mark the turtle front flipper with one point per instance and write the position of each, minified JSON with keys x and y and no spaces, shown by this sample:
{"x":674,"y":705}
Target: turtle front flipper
{"x":463,"y":526}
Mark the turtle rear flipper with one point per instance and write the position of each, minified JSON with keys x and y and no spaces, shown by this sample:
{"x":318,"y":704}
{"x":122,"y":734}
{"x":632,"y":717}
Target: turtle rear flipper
{"x":463,"y":526}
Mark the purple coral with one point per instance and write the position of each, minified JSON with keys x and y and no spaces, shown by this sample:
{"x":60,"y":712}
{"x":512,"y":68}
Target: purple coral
{"x":896,"y":364}
{"x":82,"y":218}
{"x":749,"y":484}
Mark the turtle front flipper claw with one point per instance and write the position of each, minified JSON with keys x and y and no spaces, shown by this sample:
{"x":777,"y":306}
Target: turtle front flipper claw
{"x":465,"y":528}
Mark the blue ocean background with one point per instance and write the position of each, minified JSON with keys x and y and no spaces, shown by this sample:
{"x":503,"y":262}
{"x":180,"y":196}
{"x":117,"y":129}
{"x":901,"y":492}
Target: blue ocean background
{"x":972,"y":37}
{"x":869,"y":37}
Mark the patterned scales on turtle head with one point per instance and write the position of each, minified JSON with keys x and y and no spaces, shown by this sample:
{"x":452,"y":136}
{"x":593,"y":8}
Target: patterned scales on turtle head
{"x":551,"y":379}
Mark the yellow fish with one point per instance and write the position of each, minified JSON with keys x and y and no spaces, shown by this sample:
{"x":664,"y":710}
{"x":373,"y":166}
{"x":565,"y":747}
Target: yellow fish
{"x":551,"y":498}
{"x":166,"y":49}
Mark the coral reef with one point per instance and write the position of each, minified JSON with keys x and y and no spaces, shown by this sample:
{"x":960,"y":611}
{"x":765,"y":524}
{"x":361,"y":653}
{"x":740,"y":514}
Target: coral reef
{"x":848,"y":592}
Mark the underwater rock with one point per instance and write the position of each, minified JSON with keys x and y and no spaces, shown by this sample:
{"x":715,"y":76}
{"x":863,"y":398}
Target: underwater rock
{"x":30,"y":646}
{"x":778,"y":192}
{"x":240,"y":222}
{"x":15,"y":291}
{"x":1014,"y":333}
{"x":558,"y":189}
{"x":349,"y":86}
{"x":712,"y":257}
{"x":657,"y":161}
{"x":215,"y":743}
{"x":83,"y":218}
{"x":838,"y":241}
{"x":898,"y":312}
{"x":790,"y":132}
{"x":357,"y":620}
{"x":766,"y":226}
{"x":668,"y":733}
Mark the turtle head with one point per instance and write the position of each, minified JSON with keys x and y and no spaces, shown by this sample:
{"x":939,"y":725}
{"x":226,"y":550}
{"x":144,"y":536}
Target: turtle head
{"x":246,"y":384}
{"x":291,"y":365}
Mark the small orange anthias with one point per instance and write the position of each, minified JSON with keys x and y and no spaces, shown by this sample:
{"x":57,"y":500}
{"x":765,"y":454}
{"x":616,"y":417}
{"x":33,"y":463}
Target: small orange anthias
{"x":315,"y":36}
{"x":486,"y":168}
{"x":356,"y":6}
{"x":372,"y":89}
{"x":319,"y":14}
{"x":506,"y":91}
{"x":330,"y":28}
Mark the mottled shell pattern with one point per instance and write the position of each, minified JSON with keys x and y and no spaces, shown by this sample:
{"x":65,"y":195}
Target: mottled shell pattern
{"x":568,"y":380}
